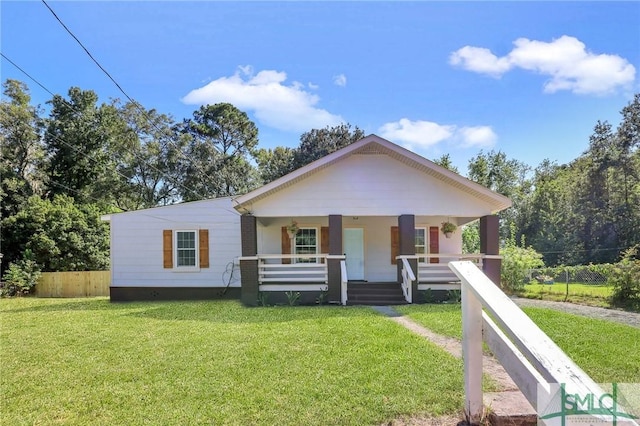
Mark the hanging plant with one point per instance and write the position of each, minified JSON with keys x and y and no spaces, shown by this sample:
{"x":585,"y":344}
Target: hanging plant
{"x":448,"y":228}
{"x":292,"y":229}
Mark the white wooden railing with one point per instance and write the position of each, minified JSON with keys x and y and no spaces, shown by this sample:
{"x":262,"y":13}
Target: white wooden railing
{"x":298,"y":275}
{"x":438,"y":276}
{"x":344,"y":279}
{"x":439,"y":273}
{"x":534,"y":362}
{"x":408,"y":277}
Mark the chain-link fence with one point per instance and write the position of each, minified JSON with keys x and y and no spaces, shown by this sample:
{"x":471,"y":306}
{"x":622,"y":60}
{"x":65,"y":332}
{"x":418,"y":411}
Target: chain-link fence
{"x":584,"y":274}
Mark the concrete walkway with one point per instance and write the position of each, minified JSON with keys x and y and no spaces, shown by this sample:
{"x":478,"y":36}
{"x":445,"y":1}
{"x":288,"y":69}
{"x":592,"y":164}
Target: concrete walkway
{"x":508,"y":405}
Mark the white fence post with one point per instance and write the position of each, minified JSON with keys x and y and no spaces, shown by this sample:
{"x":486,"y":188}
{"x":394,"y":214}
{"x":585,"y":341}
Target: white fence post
{"x":472,"y":354}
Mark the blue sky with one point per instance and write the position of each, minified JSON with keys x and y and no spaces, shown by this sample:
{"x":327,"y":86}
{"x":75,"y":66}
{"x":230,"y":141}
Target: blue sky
{"x":528,"y":78}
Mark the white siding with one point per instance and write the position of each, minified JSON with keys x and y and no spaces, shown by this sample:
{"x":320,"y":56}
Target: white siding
{"x":371,"y":185}
{"x":136,"y":244}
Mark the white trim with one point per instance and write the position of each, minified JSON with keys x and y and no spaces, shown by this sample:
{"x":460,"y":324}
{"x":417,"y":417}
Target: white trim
{"x":336,"y":256}
{"x":306,"y":255}
{"x":196,"y":266}
{"x":426,"y":238}
{"x":293,"y":287}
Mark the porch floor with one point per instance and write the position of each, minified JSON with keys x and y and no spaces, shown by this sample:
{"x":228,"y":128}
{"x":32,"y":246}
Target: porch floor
{"x":375,"y":293}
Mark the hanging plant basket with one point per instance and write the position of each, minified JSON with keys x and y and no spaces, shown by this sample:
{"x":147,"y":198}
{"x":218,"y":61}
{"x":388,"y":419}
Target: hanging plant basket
{"x":448,"y":228}
{"x":292,"y":229}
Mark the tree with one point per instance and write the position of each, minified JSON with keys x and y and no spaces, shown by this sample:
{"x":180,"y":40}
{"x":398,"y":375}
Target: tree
{"x":504,"y":176}
{"x":81,"y":138}
{"x":586,"y":211}
{"x":445,"y":161}
{"x":21,"y":147}
{"x":317,"y":143}
{"x":551,"y":219}
{"x":221,"y":140}
{"x":275,"y":163}
{"x":149,"y":159}
{"x":62,"y":235}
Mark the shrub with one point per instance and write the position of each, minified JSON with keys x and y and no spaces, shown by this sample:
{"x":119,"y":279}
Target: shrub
{"x":292,"y":297}
{"x":21,"y":277}
{"x":625,"y":279}
{"x":516,"y":263}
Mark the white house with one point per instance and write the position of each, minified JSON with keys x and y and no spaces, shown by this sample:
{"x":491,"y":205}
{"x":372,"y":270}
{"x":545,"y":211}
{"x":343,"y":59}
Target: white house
{"x":357,"y":225}
{"x":174,"y":252}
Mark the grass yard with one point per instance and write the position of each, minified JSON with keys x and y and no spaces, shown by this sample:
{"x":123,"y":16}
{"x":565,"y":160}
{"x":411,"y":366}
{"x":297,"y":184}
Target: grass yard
{"x":588,"y":294}
{"x":607,"y":351}
{"x":88,"y":361}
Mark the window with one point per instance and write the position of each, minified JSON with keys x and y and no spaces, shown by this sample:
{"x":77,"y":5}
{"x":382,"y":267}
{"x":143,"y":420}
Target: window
{"x":421,"y":240}
{"x":186,"y":249}
{"x":306,"y":242}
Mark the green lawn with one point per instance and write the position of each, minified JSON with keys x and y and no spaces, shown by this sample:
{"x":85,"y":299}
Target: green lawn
{"x":588,"y":294}
{"x":607,"y":351}
{"x":87,"y":361}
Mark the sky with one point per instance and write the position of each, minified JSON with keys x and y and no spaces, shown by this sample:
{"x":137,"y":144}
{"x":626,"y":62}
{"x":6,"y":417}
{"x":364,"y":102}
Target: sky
{"x":530,"y":79}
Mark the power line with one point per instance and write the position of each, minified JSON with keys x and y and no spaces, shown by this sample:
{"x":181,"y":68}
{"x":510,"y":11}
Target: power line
{"x":73,"y":107}
{"x":136,"y":105}
{"x":86,"y":50}
{"x":26,"y":73}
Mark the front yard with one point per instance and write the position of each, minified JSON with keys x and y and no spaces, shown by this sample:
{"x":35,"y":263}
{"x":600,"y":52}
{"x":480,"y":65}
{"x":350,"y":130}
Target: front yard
{"x":87,"y":361}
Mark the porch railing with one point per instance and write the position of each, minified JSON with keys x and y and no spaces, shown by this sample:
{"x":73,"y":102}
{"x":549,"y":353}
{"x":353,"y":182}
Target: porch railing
{"x":344,"y":279}
{"x":437,"y":275}
{"x":300,"y":269}
{"x":540,"y":369}
{"x":408,"y":277}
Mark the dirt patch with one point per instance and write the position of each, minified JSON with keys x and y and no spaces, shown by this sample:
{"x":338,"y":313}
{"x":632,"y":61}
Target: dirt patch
{"x":451,"y":420}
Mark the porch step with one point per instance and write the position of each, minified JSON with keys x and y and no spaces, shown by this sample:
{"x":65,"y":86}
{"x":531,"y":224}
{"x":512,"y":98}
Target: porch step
{"x":376,"y":294}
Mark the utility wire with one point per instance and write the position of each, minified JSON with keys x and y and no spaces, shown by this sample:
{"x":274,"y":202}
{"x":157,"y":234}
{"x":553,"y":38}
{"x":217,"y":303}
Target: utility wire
{"x":73,"y":107}
{"x":136,"y":105}
{"x":26,"y":73}
{"x":86,"y":50}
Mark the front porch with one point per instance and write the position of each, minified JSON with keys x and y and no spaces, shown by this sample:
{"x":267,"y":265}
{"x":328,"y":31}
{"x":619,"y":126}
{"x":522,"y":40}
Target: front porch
{"x":318,"y":263}
{"x":363,"y":213}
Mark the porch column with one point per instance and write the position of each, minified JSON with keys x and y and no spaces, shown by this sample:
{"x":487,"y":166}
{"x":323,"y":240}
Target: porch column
{"x":249,"y":268}
{"x":407,"y":242}
{"x":333,"y":265}
{"x":490,"y":244}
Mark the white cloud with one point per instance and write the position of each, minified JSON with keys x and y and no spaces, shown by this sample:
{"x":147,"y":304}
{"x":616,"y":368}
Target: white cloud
{"x":565,"y":60}
{"x":480,"y":60}
{"x":477,"y":136}
{"x":275,"y":104}
{"x":422,"y":134}
{"x":340,"y":80}
{"x":427,"y":134}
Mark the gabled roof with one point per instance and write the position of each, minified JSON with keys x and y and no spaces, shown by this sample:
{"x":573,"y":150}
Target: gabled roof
{"x":374,"y":144}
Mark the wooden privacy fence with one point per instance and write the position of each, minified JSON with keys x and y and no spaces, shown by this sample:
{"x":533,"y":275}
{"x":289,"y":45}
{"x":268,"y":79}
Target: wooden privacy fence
{"x":74,"y":284}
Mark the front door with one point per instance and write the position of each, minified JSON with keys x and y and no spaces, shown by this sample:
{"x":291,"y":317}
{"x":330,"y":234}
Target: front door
{"x":353,"y":242}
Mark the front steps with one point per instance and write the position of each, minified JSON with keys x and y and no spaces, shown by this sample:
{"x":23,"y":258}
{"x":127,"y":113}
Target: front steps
{"x":375,"y":294}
